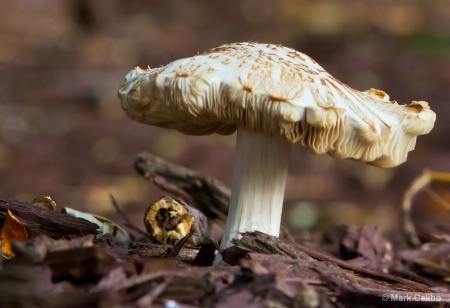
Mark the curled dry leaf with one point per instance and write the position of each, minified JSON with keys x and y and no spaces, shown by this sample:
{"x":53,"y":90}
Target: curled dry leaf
{"x":439,"y":267}
{"x":419,"y":183}
{"x":429,"y":260}
{"x":12,"y":230}
{"x":45,"y":202}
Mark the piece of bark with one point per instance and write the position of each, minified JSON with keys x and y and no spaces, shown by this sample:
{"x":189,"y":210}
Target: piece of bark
{"x":113,"y":278}
{"x":148,"y":299}
{"x":115,"y":247}
{"x":80,"y":265}
{"x":25,"y":285}
{"x":361,"y":290}
{"x":39,"y":220}
{"x":254,"y":241}
{"x":327,"y":280}
{"x":37,"y":248}
{"x":263,"y":243}
{"x":188,"y":285}
{"x":205,"y":256}
{"x":150,"y":250}
{"x":207,"y":194}
{"x":367,"y":245}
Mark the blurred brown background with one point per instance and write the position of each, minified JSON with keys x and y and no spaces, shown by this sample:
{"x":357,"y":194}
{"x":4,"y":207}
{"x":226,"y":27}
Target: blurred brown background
{"x":63,"y":133}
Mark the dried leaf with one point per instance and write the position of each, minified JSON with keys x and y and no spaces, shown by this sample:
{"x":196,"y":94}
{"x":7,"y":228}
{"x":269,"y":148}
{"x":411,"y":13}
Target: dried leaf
{"x":418,"y":184}
{"x":105,"y":225}
{"x":366,"y":244}
{"x":12,"y":230}
{"x":45,"y":202}
{"x":432,"y":267}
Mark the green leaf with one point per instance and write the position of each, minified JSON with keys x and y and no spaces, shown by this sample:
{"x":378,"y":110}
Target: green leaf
{"x":105,"y":225}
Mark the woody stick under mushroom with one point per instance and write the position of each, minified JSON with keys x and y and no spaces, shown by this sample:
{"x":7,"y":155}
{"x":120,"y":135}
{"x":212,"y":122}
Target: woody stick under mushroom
{"x":273,"y":97}
{"x":168,"y":220}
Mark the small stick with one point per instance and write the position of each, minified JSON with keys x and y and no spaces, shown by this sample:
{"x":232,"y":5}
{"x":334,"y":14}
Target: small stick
{"x":124,"y":216}
{"x":173,"y":251}
{"x":150,"y":250}
{"x":207,"y":194}
{"x":170,"y":220}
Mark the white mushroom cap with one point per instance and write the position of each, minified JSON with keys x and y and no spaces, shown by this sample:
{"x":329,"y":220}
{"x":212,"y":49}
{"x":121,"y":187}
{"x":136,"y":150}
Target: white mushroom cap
{"x":281,"y":92}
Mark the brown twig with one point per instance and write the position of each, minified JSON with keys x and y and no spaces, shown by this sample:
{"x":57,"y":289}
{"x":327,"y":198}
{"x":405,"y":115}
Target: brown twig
{"x":208,"y":195}
{"x":174,"y":251}
{"x":125,"y":217}
{"x":150,"y":250}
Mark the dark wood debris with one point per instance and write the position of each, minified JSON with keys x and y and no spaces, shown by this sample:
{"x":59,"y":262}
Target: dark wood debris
{"x":264,"y":272}
{"x":65,"y":263}
{"x":207,"y":194}
{"x":40,"y":220}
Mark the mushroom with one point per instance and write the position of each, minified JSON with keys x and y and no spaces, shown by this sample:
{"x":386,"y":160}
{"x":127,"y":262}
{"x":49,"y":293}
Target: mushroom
{"x":273,"y":97}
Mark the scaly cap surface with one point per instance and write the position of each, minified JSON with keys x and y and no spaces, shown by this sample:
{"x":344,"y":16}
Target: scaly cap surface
{"x":281,"y":92}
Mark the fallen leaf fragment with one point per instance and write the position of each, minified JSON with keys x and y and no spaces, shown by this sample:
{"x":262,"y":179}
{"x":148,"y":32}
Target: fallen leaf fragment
{"x":45,"y":202}
{"x":419,"y":183}
{"x":12,"y":230}
{"x":105,"y":225}
{"x":367,"y":246}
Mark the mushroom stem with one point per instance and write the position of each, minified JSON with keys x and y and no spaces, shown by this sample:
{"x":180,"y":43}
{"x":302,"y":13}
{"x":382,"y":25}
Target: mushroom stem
{"x":259,"y":179}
